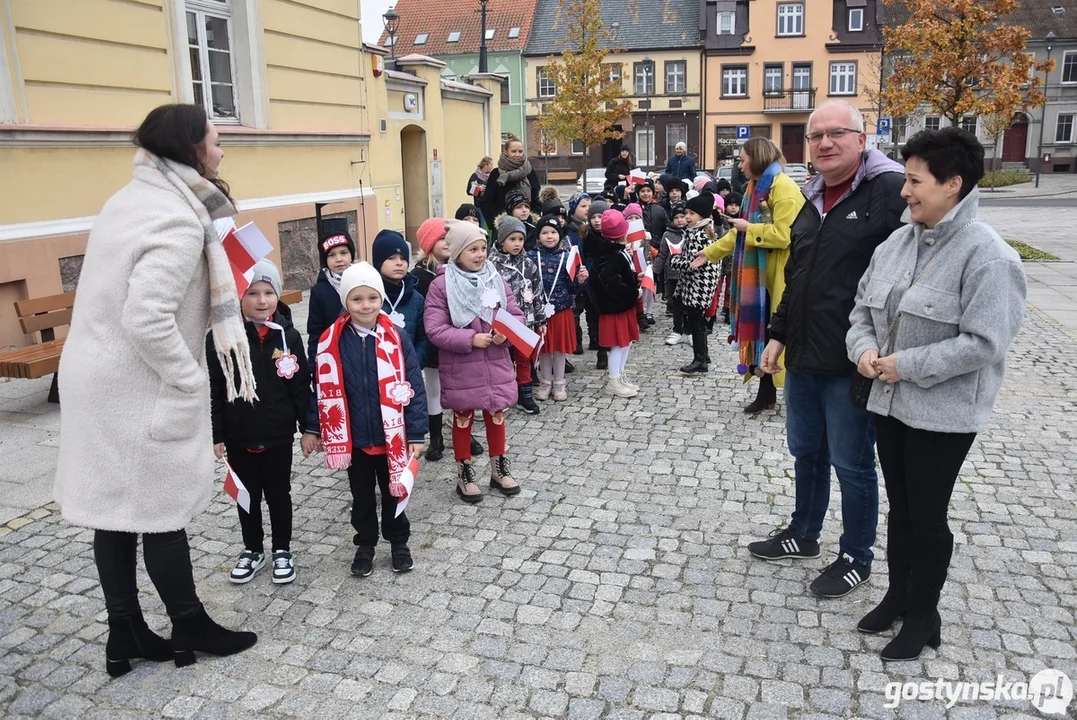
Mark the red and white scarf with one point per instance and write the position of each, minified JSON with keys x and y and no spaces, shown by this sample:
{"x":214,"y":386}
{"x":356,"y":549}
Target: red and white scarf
{"x":394,"y":394}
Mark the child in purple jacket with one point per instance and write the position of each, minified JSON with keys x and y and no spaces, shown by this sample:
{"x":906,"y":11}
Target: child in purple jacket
{"x":475,"y":364}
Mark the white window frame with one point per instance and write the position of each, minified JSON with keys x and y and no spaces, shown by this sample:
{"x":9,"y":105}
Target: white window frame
{"x":937,"y":122}
{"x":540,"y":78}
{"x":843,"y":74}
{"x":490,"y":33}
{"x":248,"y":58}
{"x":546,"y":140}
{"x":614,"y":74}
{"x":421,"y":39}
{"x":734,"y":75}
{"x":790,"y":19}
{"x":768,"y":73}
{"x":639,"y":71}
{"x":682,"y":66}
{"x":1066,"y":54}
{"x":645,"y":150}
{"x":975,"y":123}
{"x":1073,"y":123}
{"x":218,"y":11}
{"x":454,"y":37}
{"x":858,"y":26}
{"x":671,"y":142}
{"x":732,"y":18}
{"x":514,"y":32}
{"x":573,"y":149}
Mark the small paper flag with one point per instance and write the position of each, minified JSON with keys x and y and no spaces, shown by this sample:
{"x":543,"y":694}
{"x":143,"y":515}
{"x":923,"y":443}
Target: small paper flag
{"x":522,"y":337}
{"x":407,"y":479}
{"x":236,"y":489}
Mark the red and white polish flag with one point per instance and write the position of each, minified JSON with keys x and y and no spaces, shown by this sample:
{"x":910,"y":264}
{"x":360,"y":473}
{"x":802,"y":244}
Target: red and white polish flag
{"x":574,"y":262}
{"x":245,"y":246}
{"x":675,"y":249}
{"x":639,"y":260}
{"x":637,"y":177}
{"x":523,"y":338}
{"x":236,"y":489}
{"x":636,"y":231}
{"x":407,"y":479}
{"x":647,"y":283}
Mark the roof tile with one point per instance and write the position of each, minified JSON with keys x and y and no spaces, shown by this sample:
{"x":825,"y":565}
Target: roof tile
{"x":438,"y":19}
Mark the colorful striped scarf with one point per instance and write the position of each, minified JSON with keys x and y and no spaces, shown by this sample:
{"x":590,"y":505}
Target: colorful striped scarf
{"x":748,"y":282}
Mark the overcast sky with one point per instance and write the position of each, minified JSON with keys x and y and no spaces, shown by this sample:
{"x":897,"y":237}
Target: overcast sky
{"x":372,"y":11}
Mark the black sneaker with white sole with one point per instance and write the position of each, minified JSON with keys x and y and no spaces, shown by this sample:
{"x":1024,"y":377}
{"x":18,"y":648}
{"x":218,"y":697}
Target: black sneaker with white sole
{"x":784,"y":544}
{"x":249,"y":563}
{"x":401,"y":556}
{"x":841,"y":577}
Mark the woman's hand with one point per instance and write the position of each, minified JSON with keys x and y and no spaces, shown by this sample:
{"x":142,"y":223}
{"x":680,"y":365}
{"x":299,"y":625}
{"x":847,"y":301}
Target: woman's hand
{"x":739,"y":224}
{"x":887,"y":369}
{"x":699,"y":260}
{"x":482,"y":340}
{"x":866,"y":365}
{"x":415,"y":449}
{"x":310,"y":443}
{"x":582,"y":275}
{"x":218,"y":450}
{"x":498,"y":338}
{"x":769,"y":361}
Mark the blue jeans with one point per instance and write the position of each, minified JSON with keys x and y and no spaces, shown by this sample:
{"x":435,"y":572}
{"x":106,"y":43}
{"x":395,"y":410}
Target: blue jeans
{"x":824,"y":428}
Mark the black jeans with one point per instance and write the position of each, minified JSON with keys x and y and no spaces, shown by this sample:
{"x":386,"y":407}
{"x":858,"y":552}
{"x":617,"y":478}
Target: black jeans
{"x":920,"y":468}
{"x":676,"y":307}
{"x":366,"y":472}
{"x":267,"y":473}
{"x":168,"y":562}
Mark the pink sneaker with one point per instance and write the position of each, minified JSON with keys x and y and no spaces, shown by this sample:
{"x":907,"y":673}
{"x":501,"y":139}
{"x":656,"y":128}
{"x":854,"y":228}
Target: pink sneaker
{"x":560,"y":393}
{"x":542,"y":392}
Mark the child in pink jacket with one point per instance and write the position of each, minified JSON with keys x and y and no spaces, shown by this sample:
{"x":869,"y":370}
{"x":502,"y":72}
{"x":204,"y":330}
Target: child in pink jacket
{"x":475,"y":363}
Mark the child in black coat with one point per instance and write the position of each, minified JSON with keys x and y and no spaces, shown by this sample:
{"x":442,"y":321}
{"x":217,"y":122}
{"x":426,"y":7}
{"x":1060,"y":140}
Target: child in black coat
{"x":615,"y":288}
{"x":336,"y":250}
{"x":258,"y":437}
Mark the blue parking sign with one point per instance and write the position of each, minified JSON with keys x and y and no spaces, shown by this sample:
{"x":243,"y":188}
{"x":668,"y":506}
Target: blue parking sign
{"x":743,"y":132}
{"x":884,"y":124}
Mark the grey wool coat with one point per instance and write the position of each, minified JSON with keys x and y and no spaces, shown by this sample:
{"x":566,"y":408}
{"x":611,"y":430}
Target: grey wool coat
{"x":136,"y":452}
{"x":953,"y":325}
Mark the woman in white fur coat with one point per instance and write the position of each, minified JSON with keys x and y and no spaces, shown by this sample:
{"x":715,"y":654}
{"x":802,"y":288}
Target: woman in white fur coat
{"x":136,"y":456}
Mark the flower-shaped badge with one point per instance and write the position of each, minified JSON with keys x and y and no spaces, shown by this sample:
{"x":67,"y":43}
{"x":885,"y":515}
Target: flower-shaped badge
{"x":400,"y":392}
{"x":287,"y":366}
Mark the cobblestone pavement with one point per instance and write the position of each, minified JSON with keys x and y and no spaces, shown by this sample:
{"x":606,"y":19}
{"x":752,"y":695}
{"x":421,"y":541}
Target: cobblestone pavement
{"x":616,"y":585}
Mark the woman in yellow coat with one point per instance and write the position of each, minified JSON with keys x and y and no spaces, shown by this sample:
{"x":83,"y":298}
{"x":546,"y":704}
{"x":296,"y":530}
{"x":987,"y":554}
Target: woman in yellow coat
{"x":760,"y":247}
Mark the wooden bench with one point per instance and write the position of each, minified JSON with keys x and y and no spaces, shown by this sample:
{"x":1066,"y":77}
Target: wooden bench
{"x":39,"y":316}
{"x":562,"y":176}
{"x":291,"y":297}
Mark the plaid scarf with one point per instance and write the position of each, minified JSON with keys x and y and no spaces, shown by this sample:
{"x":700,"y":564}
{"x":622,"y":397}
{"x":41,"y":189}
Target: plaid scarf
{"x":395,"y":393}
{"x":229,"y":335}
{"x":748,"y":283}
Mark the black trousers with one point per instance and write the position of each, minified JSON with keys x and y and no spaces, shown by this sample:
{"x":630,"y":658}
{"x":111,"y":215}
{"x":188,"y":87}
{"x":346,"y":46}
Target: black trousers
{"x":366,"y":473}
{"x":265,"y":474}
{"x":694,"y":320}
{"x":168,"y":562}
{"x":919,"y":468}
{"x":676,"y":307}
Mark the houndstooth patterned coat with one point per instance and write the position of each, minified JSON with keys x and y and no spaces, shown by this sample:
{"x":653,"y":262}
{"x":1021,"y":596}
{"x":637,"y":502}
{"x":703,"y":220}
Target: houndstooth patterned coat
{"x":696,"y":287}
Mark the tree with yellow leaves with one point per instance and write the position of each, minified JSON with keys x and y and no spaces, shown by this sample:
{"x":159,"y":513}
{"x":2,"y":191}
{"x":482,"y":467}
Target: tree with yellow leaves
{"x":958,"y":57}
{"x":587,"y":104}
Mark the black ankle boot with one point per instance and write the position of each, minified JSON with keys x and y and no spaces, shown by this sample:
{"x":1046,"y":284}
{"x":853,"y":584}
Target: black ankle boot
{"x":526,"y":399}
{"x":920,"y":629}
{"x":436,"y":451}
{"x":603,"y":361}
{"x":198,"y":633}
{"x":130,"y":638}
{"x":699,"y":355}
{"x":765,"y":397}
{"x":895,"y":603}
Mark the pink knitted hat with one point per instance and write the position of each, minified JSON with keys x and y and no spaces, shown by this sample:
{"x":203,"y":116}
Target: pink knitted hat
{"x":614,"y":225}
{"x":429,"y":233}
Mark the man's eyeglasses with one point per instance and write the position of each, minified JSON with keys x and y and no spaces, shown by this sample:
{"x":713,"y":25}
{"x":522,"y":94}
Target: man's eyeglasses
{"x":833,"y":134}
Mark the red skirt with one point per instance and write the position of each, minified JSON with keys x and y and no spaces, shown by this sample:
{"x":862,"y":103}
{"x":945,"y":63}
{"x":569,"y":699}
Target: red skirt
{"x":618,"y":330}
{"x":560,"y":333}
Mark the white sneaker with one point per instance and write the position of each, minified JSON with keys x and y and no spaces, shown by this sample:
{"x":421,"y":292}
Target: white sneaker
{"x":615,"y":387}
{"x":248,"y":564}
{"x":686,"y":339}
{"x":674,"y":338}
{"x":629,"y":385}
{"x":283,"y":567}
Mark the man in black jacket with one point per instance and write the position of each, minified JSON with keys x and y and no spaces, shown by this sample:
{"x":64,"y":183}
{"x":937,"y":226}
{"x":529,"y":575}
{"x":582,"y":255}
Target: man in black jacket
{"x":853,"y":205}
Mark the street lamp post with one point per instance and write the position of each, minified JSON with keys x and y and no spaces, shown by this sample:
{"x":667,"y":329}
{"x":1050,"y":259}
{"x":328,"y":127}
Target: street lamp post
{"x":482,"y":37}
{"x":391,"y":20}
{"x":1043,"y":116}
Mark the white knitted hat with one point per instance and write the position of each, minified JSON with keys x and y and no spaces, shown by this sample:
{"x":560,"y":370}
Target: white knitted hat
{"x":360,"y":274}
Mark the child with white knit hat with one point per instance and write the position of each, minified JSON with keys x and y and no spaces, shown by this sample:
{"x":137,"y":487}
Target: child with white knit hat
{"x":366,"y":368}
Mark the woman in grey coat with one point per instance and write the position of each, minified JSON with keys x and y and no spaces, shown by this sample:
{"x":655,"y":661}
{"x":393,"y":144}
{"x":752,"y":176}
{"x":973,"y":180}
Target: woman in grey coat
{"x":935,"y":312}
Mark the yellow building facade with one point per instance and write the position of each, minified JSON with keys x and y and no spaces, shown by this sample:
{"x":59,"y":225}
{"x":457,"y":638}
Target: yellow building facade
{"x":768,"y":65}
{"x":310,"y":120}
